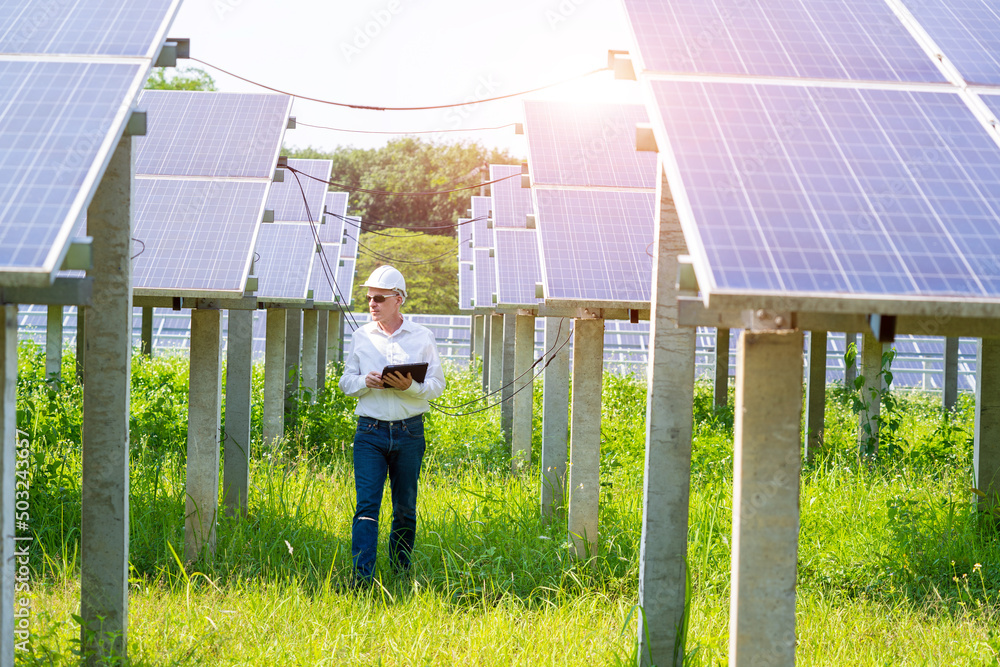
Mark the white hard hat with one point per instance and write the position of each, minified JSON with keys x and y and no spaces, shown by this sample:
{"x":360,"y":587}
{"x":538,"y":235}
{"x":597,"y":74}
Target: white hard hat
{"x":386,"y":277}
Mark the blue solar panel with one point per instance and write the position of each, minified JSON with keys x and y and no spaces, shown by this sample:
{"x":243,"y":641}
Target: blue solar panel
{"x":509,"y":201}
{"x":466,"y":286}
{"x":286,"y":254}
{"x":352,"y":229}
{"x":57,"y":121}
{"x":966,"y":31}
{"x":484,"y":274}
{"x":835,"y":191}
{"x":323,"y":278}
{"x":518,"y":267}
{"x":286,"y":198}
{"x":345,"y":278}
{"x":596,"y":244}
{"x":84,"y":27}
{"x":482,"y":233}
{"x":194,"y":235}
{"x":464,"y":239}
{"x":194,"y":133}
{"x":587,"y":145}
{"x":828,"y":39}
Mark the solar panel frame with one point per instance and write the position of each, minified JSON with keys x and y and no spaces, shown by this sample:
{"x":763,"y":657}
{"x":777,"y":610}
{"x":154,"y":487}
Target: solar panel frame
{"x":510,"y":203}
{"x":890,"y":232}
{"x":349,"y":245}
{"x":289,"y":202}
{"x":960,"y":33}
{"x":518,"y":268}
{"x":587,"y":145}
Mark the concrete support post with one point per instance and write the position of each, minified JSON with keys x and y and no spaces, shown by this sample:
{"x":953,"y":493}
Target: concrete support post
{"x":473,"y":329}
{"x":585,"y":435}
{"x":204,"y":403}
{"x":496,"y":353}
{"x":81,"y":341}
{"x":274,"y":378}
{"x":487,"y":351}
{"x":310,"y":342}
{"x":986,"y":452}
{"x":555,"y":415}
{"x":766,"y":465}
{"x":53,"y":342}
{"x":478,"y":335}
{"x":334,"y":332}
{"x":871,"y":394}
{"x":293,"y":346}
{"x":721,"y":367}
{"x":524,"y":356}
{"x":239,"y":365}
{"x":322,"y":322}
{"x":507,"y":375}
{"x":850,"y":370}
{"x":816,"y":394}
{"x":667,"y":475}
{"x":146,"y":347}
{"x":8,"y":482}
{"x":950,"y":383}
{"x":104,"y":526}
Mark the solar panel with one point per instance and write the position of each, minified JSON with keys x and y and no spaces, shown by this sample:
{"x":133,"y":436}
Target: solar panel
{"x":484,"y":276}
{"x":482,"y":233}
{"x":196,"y":133}
{"x":509,"y":201}
{"x":880,"y":192}
{"x":336,"y":203}
{"x":349,"y":247}
{"x":288,"y":200}
{"x":194,"y":235}
{"x":464,"y":240}
{"x":517,"y":265}
{"x":966,"y":31}
{"x":59,"y":123}
{"x":84,"y":27}
{"x":587,"y":145}
{"x":322,"y":281}
{"x":596,"y":244}
{"x":466,"y":286}
{"x":843,"y":39}
{"x":286,"y":254}
{"x":345,"y":279}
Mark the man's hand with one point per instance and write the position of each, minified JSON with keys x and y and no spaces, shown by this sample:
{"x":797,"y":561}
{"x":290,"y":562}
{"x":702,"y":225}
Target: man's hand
{"x":397,"y":381}
{"x":374,"y":381}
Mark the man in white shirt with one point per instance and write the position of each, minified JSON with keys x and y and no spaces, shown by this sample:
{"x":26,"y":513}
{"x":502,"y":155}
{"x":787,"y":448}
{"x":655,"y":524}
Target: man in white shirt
{"x":389,"y":440}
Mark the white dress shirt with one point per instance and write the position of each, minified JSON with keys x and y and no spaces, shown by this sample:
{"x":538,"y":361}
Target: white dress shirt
{"x":371,"y":350}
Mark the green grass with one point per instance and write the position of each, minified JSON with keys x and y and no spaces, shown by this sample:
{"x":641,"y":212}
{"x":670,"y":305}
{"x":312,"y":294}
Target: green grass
{"x":894,"y":568}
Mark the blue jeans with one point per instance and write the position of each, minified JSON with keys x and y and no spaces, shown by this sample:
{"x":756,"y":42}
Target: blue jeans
{"x":385,"y":448}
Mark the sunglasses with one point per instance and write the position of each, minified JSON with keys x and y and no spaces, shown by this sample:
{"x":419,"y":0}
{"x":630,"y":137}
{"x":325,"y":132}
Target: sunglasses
{"x":379,"y":298}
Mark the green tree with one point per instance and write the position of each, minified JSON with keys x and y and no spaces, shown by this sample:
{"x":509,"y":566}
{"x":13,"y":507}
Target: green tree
{"x":428,"y":262}
{"x":186,"y":79}
{"x":410,"y":165}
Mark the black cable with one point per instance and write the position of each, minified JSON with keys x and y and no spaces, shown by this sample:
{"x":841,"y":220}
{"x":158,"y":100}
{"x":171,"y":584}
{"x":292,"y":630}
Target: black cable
{"x":463,"y":129}
{"x":450,"y":225}
{"x":392,"y":260}
{"x":376,"y":108}
{"x":143,"y":247}
{"x":427,"y":193}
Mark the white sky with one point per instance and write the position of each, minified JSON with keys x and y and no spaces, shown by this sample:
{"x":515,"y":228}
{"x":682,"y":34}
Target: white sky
{"x":409,"y":53}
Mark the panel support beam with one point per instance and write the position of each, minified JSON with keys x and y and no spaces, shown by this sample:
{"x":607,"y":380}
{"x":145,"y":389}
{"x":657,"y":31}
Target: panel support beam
{"x":478,"y":335}
{"x":950,"y":384}
{"x":204,"y":403}
{"x":496,"y":354}
{"x":322,"y":324}
{"x":310,"y":343}
{"x":146,"y":338}
{"x":667,"y":474}
{"x":766,"y":467}
{"x":986,"y":453}
{"x":334,"y":336}
{"x":523,"y":400}
{"x":871,"y":394}
{"x":721,"y":366}
{"x":293,"y":347}
{"x":507,"y":378}
{"x":487,"y":350}
{"x":274,"y":378}
{"x":850,"y":370}
{"x":816,"y":394}
{"x":8,"y":481}
{"x":555,"y":415}
{"x":104,"y":542}
{"x":81,"y":341}
{"x":53,"y":342}
{"x":239,"y":366}
{"x":585,"y":435}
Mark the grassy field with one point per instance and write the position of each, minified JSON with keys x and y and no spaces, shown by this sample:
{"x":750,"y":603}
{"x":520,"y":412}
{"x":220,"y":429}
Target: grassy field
{"x":894,"y":567}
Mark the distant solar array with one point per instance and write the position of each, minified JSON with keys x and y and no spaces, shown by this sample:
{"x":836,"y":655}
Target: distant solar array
{"x":517,"y":266}
{"x":466,"y":286}
{"x":352,"y":230}
{"x":482,"y":233}
{"x":345,"y":279}
{"x":290,"y":198}
{"x":64,"y":108}
{"x":463,"y":235}
{"x":509,"y":202}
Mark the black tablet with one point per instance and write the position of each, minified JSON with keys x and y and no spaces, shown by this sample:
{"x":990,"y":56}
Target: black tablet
{"x":417,"y":371}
